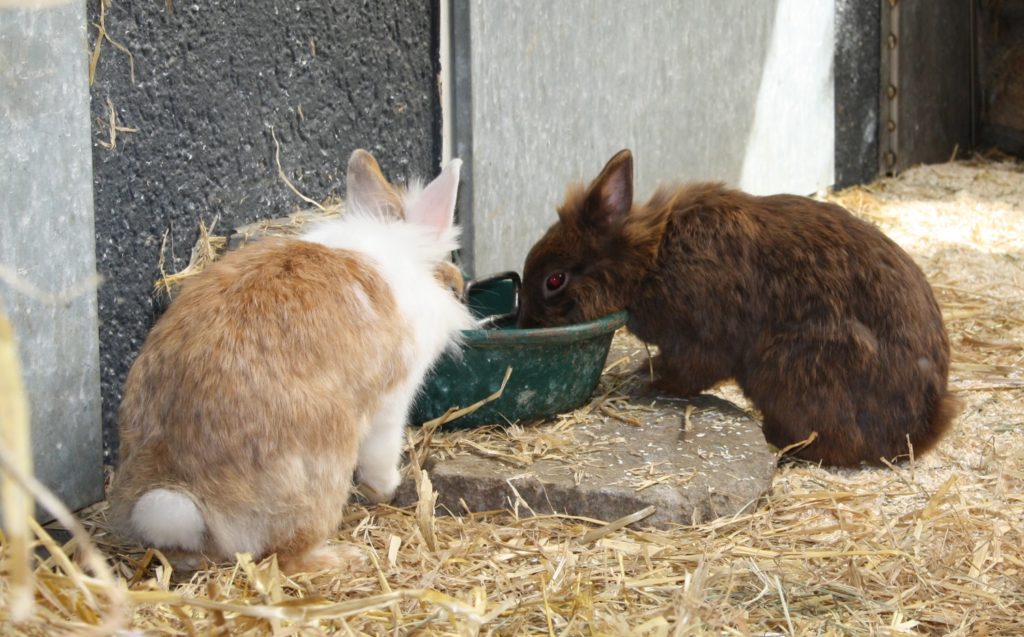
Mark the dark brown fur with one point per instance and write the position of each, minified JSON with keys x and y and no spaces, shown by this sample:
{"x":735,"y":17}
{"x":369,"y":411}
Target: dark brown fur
{"x":825,"y":323}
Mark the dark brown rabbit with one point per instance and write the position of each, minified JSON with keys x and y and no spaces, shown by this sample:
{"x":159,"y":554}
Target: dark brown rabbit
{"x":826,"y":324}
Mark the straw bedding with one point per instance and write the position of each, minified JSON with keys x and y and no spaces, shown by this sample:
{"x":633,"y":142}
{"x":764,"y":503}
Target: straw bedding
{"x":932,"y":546}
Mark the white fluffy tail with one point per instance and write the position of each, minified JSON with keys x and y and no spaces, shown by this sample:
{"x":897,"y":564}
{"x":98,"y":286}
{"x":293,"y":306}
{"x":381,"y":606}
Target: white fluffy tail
{"x":168,"y":518}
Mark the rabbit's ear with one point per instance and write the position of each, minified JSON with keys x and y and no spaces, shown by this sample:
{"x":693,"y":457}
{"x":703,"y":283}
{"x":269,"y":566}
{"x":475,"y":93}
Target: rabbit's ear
{"x":610,"y":196}
{"x":367,"y":189}
{"x":434,"y":207}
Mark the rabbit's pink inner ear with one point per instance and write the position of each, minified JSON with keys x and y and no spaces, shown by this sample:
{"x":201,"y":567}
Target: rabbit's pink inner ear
{"x":435,"y":206}
{"x":367,"y":189}
{"x":612,"y":191}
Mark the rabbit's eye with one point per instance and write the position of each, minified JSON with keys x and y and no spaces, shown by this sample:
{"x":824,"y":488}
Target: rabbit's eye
{"x":555,"y":281}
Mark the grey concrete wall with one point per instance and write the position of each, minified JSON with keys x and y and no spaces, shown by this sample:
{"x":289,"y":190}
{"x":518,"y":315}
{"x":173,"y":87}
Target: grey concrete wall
{"x":729,"y":90}
{"x":857,"y":55}
{"x":46,"y":240}
{"x":211,"y":79}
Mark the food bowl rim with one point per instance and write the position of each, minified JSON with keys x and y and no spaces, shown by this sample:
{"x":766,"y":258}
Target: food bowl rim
{"x":545,"y":335}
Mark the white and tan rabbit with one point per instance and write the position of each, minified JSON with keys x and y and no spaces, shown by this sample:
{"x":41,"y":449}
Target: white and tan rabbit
{"x":281,"y":370}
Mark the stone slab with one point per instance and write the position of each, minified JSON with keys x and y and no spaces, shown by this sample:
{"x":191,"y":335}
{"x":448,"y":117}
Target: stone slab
{"x":692,"y":459}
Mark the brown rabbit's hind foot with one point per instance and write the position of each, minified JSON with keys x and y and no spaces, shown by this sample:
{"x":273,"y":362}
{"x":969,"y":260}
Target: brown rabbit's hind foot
{"x":835,"y":446}
{"x":325,"y":558}
{"x":794,"y":454}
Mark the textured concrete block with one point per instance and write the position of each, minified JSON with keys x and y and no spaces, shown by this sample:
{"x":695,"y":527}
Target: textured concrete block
{"x":206,"y":84}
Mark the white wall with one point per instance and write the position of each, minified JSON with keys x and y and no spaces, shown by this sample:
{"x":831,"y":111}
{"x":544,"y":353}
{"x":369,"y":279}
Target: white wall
{"x":729,"y":90}
{"x":791,"y":146}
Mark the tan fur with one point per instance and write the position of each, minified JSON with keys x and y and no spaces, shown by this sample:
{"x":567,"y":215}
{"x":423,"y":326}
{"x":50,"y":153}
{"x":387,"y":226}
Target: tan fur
{"x":368,"y":189}
{"x":450,"y":276}
{"x":245,"y":374}
{"x":282,"y":370}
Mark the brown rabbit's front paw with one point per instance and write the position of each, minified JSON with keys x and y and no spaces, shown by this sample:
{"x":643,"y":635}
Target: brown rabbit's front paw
{"x":650,"y":389}
{"x":654,"y":379}
{"x":663,"y":386}
{"x":677,"y":377}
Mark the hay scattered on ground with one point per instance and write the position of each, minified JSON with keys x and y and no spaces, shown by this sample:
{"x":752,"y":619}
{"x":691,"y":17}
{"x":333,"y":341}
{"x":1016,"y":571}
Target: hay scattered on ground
{"x":933,"y":546}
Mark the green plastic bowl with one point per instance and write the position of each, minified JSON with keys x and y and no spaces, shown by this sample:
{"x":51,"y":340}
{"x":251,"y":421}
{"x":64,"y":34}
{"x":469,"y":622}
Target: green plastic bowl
{"x":554,"y":370}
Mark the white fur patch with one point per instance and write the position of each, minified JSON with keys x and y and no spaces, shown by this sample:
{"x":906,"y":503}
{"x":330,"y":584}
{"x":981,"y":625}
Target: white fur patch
{"x":168,"y":519}
{"x":364,"y":302}
{"x":380,"y":450}
{"x":405,"y":254}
